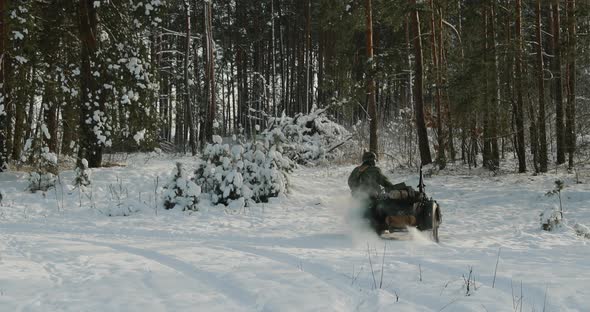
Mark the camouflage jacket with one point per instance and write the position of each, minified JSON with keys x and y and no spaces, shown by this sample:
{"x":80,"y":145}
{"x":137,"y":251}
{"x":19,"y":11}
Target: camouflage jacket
{"x":367,"y":180}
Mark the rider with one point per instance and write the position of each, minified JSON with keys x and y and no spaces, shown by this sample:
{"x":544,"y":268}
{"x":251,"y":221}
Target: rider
{"x":366,"y":182}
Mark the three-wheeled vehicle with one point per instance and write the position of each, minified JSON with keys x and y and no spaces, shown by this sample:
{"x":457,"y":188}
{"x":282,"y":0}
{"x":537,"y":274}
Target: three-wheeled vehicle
{"x":403,"y":208}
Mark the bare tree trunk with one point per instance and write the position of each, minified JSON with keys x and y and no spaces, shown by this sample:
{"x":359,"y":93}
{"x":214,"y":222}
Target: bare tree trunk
{"x":558,"y":87}
{"x":164,"y":107}
{"x":241,"y":91}
{"x":4,"y":84}
{"x":50,"y":115}
{"x":496,"y":102}
{"x":69,"y":128}
{"x":187,"y":94}
{"x":234,"y":111}
{"x":301,"y":77}
{"x":519,"y":113}
{"x":18,"y":135}
{"x":273,"y":55}
{"x":179,"y":126}
{"x":373,"y":145}
{"x":210,"y":71}
{"x":440,"y":156}
{"x":321,"y":67}
{"x":90,"y":147}
{"x":50,"y":53}
{"x":533,"y":132}
{"x":283,"y":56}
{"x":224,"y":110}
{"x":31,"y":115}
{"x":570,"y":110}
{"x":410,"y":87}
{"x":444,"y":94}
{"x":487,"y":104}
{"x":308,"y":54}
{"x":418,"y":88}
{"x":542,"y":151}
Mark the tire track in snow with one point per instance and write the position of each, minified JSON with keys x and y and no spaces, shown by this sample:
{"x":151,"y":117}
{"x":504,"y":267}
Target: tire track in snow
{"x":49,"y":268}
{"x":332,"y":277}
{"x":225,"y":287}
{"x":320,"y":272}
{"x":80,"y":271}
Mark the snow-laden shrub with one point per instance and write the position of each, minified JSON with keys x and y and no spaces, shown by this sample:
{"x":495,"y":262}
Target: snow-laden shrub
{"x":242,"y":173}
{"x":306,"y":138}
{"x":82,"y":174}
{"x":181,"y":191}
{"x":44,"y":177}
{"x":265,"y":171}
{"x":582,"y":230}
{"x":220,"y":173}
{"x":551,"y":219}
{"x":41,"y":181}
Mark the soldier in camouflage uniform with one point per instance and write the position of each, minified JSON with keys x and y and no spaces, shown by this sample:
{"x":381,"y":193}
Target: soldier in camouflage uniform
{"x":366,"y":182}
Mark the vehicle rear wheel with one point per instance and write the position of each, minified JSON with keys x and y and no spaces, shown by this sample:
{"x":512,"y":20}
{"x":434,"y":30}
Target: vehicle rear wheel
{"x":431,"y":219}
{"x":435,"y":226}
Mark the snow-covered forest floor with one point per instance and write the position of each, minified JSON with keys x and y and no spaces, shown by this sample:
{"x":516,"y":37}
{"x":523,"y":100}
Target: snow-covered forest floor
{"x":303,"y":252}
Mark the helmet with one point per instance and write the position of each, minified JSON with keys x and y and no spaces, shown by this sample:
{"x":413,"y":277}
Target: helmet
{"x":369,"y":156}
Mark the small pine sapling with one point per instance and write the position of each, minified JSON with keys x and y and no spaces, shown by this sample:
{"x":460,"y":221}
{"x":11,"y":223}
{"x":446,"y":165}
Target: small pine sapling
{"x":44,"y":177}
{"x":220,"y":172}
{"x":181,"y":191}
{"x":559,"y":185}
{"x":242,"y":174}
{"x":550,"y":218}
{"x":82,"y":173}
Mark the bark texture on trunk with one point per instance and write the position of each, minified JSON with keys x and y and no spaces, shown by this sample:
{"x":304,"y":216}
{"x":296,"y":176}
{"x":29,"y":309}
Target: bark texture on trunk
{"x":558,"y":86}
{"x":436,"y":68}
{"x":423,"y":145}
{"x":570,"y":110}
{"x":373,"y":143}
{"x":519,"y":113}
{"x":92,"y":105}
{"x":496,"y":96}
{"x":542,"y":151}
{"x":4,"y":89}
{"x":210,"y":71}
{"x":190,"y":118}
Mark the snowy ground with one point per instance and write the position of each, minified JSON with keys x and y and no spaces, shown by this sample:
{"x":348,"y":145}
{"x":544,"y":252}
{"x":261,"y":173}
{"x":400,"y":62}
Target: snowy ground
{"x":299,"y":253}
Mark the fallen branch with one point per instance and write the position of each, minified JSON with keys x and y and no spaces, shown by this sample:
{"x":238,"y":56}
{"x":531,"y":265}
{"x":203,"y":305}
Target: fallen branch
{"x":339,"y":144}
